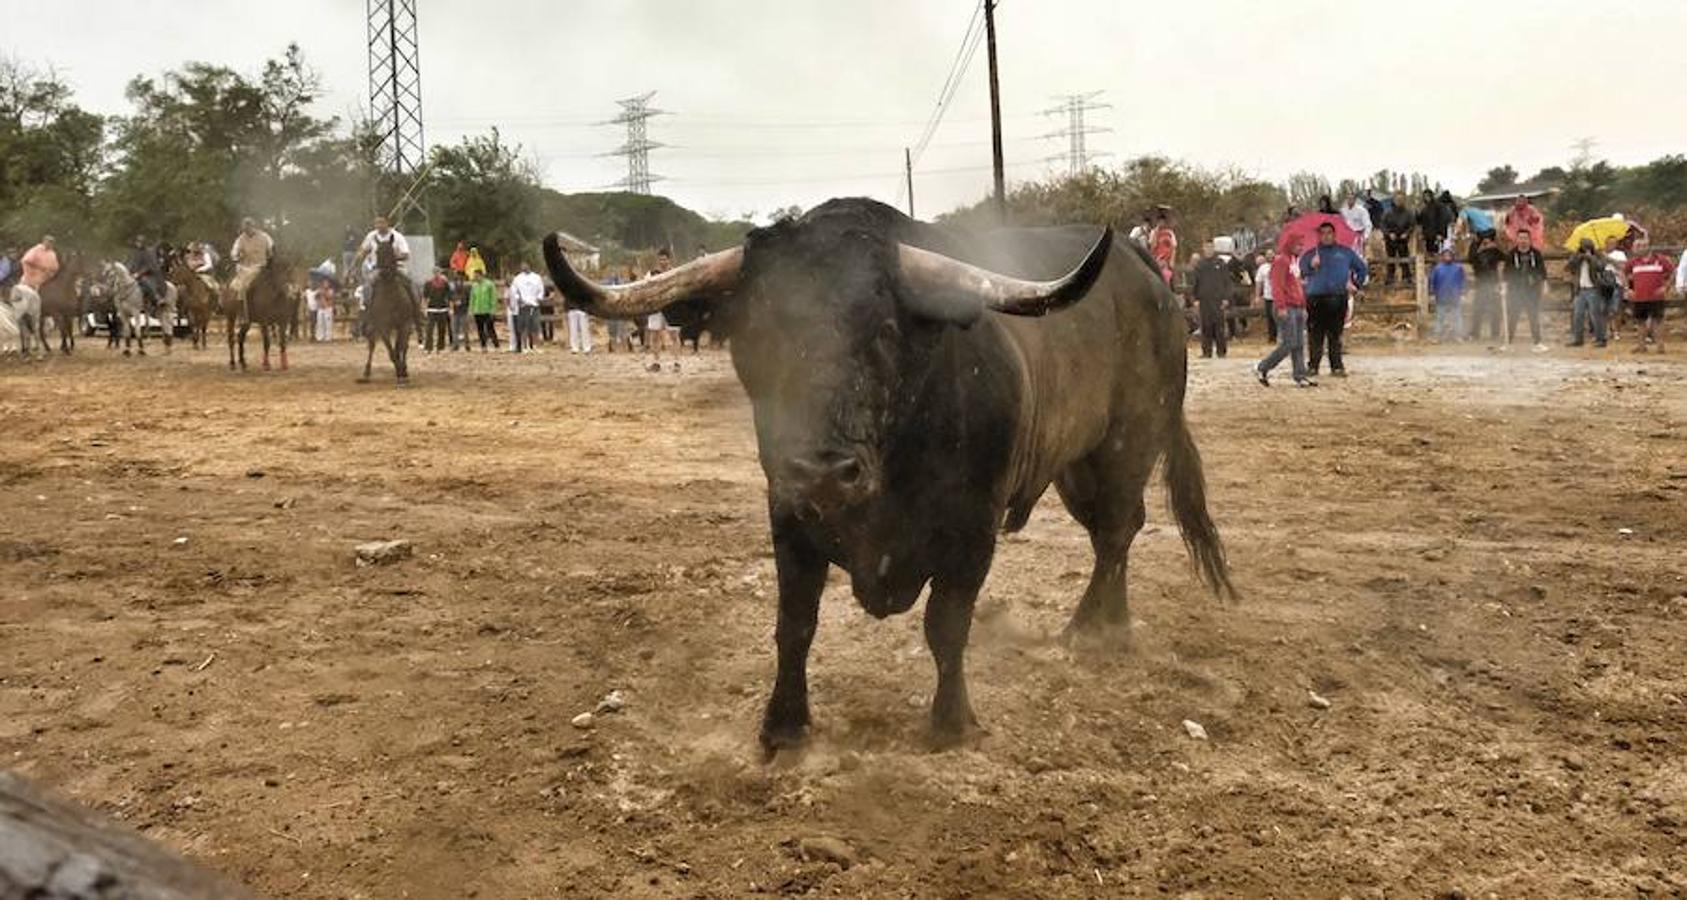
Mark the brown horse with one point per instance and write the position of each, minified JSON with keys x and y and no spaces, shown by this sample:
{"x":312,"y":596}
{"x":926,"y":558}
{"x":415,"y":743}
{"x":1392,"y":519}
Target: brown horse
{"x":269,"y":304}
{"x":61,"y":299}
{"x":197,"y":298}
{"x":391,"y":314}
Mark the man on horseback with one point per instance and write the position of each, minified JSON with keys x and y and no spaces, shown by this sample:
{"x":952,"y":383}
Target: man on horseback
{"x":251,"y":251}
{"x":148,"y":274}
{"x":385,"y":234}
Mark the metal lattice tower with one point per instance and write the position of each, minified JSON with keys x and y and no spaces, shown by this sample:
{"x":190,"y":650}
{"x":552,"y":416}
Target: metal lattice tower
{"x":635,"y":112}
{"x":395,"y":95}
{"x":1074,"y":107}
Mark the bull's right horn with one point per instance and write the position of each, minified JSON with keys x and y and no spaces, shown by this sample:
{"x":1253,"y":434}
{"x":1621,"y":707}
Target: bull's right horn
{"x":714,"y":274}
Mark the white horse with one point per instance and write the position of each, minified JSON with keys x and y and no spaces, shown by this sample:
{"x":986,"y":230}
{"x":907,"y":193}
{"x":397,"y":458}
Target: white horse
{"x":20,"y":319}
{"x":128,"y":306}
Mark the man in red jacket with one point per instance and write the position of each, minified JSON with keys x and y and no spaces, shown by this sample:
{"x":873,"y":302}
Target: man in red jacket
{"x":1649,"y":275}
{"x":1288,"y":301}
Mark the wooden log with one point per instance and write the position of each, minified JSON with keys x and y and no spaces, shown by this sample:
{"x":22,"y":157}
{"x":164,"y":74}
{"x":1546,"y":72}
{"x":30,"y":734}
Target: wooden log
{"x":1420,"y":287}
{"x":56,"y":850}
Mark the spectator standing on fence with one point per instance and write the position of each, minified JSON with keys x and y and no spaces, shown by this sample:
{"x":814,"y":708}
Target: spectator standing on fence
{"x":475,"y":264}
{"x":1485,"y":261}
{"x":1330,"y":271}
{"x":459,"y":259}
{"x":1211,"y":284}
{"x":1162,"y":244}
{"x":1446,"y":285}
{"x":1589,"y":276}
{"x":1477,"y":223}
{"x":1264,"y":294}
{"x":1397,"y":225}
{"x":483,"y":305}
{"x":1289,"y":306}
{"x":1523,"y":218}
{"x":436,"y":297}
{"x":1433,"y":223}
{"x":1525,"y":278}
{"x":1357,"y":218}
{"x":1649,"y":276}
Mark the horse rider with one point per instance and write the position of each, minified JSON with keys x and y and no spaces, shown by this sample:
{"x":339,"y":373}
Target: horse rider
{"x":251,"y":252}
{"x":384,"y":233}
{"x":144,"y":268}
{"x":202,"y":259}
{"x":40,"y":263}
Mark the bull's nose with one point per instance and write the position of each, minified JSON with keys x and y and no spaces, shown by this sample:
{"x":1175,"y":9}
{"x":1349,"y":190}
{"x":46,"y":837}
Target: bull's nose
{"x":823,"y":482}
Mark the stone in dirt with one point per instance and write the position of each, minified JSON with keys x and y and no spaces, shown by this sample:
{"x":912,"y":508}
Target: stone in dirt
{"x":612,"y":702}
{"x":823,"y":848}
{"x":381,"y":553}
{"x":1317,"y":700}
{"x":583,"y":720}
{"x":1194,"y":729}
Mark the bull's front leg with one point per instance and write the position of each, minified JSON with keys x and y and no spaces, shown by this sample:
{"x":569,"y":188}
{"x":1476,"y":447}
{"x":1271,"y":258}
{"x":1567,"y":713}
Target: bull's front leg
{"x":802,"y":576}
{"x":948,"y":623}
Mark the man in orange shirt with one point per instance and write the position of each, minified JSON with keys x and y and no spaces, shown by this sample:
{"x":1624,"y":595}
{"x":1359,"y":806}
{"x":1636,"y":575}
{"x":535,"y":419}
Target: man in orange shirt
{"x":40,"y":264}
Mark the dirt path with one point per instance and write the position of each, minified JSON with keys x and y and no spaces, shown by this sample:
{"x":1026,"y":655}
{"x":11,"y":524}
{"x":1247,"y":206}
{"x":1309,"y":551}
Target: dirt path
{"x":1477,"y":560}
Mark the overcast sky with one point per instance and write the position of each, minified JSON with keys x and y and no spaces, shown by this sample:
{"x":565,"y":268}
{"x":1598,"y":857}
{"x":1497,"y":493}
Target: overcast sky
{"x":779,"y":102}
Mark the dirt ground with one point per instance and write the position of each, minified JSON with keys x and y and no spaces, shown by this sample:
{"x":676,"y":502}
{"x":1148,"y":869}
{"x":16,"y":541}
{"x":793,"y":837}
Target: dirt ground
{"x":1479,"y":560}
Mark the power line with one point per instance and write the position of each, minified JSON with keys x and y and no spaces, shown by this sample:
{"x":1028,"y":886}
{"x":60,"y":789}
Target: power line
{"x":1074,"y":107}
{"x":635,"y":112}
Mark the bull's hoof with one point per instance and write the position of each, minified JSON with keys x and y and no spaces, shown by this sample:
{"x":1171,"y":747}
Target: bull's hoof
{"x":952,"y":736}
{"x":125,"y":352}
{"x":780,"y":737}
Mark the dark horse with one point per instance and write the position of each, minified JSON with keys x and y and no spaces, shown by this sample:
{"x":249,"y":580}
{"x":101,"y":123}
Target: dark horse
{"x":61,"y":299}
{"x":391,"y":314}
{"x":197,"y":298}
{"x":269,"y":305}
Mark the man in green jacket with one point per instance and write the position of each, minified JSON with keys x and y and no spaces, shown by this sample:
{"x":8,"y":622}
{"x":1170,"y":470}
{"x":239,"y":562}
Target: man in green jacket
{"x":483,"y":303}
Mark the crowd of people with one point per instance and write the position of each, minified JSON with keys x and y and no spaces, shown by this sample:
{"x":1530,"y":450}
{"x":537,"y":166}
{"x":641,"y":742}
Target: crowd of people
{"x":1304,"y":282}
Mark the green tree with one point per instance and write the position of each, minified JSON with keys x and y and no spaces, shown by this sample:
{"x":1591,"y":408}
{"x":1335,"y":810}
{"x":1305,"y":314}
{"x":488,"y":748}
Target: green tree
{"x":483,"y":192}
{"x":50,"y":156}
{"x":1498,"y":179}
{"x":1587,"y":192}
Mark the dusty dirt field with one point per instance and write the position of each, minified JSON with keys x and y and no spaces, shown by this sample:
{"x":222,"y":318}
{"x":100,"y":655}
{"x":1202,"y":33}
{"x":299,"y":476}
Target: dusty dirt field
{"x":1478,"y":560}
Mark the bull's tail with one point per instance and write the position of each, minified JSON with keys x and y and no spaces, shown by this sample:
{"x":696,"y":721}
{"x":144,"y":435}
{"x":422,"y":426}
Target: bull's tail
{"x":1187,"y":487}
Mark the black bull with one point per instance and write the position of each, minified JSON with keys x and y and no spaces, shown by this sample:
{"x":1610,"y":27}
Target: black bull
{"x":902,"y":424}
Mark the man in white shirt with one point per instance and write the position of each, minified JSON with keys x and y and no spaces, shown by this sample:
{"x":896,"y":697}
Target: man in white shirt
{"x":1357,"y":218}
{"x":251,"y":251}
{"x":1263,"y":292}
{"x":383,"y":234}
{"x":527,"y":289}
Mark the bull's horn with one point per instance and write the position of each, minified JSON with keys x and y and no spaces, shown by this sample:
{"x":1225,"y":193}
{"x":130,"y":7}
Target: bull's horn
{"x":714,"y":274}
{"x":956,"y":291}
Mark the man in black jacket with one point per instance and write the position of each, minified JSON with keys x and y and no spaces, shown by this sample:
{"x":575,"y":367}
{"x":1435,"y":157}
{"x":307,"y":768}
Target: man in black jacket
{"x":1485,"y":260}
{"x":1525,"y":276}
{"x":1433,"y":223}
{"x":1397,"y":225}
{"x":1212,"y":283}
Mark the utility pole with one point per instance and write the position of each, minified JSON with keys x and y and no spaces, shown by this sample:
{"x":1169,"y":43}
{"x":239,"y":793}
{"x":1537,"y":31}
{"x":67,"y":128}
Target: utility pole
{"x":395,"y":102}
{"x":1074,"y":107}
{"x":908,"y":165}
{"x":995,"y":112}
{"x":635,"y":112}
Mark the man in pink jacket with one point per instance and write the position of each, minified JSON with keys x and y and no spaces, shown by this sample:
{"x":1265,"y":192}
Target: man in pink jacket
{"x":40,"y":264}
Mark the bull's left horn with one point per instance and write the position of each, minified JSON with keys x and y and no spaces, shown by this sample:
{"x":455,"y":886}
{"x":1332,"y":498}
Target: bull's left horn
{"x":945,"y":283}
{"x":710,"y":275}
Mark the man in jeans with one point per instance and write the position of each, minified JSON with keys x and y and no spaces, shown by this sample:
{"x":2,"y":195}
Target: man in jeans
{"x":459,"y":312}
{"x":1330,"y":271}
{"x":1289,"y":304}
{"x":436,"y":293}
{"x":527,"y":289}
{"x":1588,"y":276}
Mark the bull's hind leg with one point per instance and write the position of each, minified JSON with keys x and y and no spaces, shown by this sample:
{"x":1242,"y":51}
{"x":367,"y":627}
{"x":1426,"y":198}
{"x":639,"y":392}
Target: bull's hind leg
{"x":1104,"y":493}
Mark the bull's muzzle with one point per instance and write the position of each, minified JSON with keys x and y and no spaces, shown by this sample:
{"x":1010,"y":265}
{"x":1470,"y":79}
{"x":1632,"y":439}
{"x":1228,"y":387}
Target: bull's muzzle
{"x":819,"y":485}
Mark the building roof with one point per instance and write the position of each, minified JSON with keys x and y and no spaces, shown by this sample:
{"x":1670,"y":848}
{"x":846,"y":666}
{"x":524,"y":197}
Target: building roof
{"x":572,"y":244}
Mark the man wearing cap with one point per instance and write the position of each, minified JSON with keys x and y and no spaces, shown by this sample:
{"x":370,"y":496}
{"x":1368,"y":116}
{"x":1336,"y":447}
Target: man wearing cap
{"x":1331,"y":272}
{"x":250,"y":253}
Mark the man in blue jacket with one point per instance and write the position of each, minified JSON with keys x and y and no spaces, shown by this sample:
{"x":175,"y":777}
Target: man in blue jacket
{"x":1329,"y":270}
